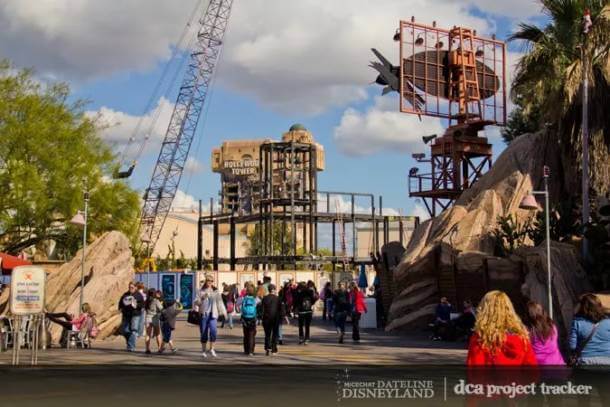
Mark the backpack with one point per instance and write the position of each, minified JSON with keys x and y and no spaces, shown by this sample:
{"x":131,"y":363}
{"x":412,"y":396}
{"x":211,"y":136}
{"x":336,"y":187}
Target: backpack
{"x":306,"y":304}
{"x":248,"y":307}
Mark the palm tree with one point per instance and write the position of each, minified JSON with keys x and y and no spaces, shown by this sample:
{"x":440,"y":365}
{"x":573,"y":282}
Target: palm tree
{"x":548,"y":79}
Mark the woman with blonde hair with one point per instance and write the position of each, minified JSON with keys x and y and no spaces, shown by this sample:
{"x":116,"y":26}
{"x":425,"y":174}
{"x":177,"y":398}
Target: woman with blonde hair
{"x":499,"y":337}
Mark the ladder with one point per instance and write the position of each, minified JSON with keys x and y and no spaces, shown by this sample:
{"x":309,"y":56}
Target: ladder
{"x":464,"y":80}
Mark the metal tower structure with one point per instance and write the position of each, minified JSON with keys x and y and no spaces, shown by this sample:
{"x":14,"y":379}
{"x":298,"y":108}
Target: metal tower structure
{"x":456,"y":76}
{"x":182,"y":126}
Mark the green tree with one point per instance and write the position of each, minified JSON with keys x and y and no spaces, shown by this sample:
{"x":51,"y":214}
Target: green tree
{"x":520,"y":123}
{"x":547,"y":83}
{"x":50,"y":151}
{"x":256,"y":244}
{"x":510,"y":234}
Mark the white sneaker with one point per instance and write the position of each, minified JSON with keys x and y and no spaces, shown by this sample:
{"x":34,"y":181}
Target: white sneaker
{"x":205,"y":355}
{"x":213,"y":352}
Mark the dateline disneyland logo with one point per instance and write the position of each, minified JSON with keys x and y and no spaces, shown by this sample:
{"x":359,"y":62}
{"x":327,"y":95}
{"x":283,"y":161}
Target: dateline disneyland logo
{"x":383,"y":389}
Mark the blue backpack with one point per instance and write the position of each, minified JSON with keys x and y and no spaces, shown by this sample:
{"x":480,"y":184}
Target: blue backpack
{"x":248,"y":307}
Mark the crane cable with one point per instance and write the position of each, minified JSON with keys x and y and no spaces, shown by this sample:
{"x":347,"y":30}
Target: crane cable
{"x":153,"y":97}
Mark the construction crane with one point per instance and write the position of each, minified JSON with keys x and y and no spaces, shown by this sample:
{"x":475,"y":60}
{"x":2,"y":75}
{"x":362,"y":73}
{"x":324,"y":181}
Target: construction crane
{"x":182,"y":127}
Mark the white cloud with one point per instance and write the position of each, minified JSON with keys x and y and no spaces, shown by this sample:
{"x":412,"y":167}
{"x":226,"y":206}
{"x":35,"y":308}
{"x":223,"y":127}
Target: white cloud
{"x":312,"y":55}
{"x":90,"y":38}
{"x":383,"y":128}
{"x":513,"y":9}
{"x":184,"y":201}
{"x":420,"y":211}
{"x":342,"y":204}
{"x":304,"y":56}
{"x":118,"y":127}
{"x":193,"y":166}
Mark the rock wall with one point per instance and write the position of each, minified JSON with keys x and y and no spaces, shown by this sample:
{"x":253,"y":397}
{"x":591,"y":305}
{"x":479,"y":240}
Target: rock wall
{"x":452,"y":254}
{"x":568,"y":279}
{"x":108,"y":271}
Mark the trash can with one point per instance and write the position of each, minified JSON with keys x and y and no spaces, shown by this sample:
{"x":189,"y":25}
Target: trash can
{"x":368,"y":320}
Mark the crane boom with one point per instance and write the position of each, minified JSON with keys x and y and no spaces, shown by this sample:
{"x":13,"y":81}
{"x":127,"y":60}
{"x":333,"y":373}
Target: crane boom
{"x":182,"y":126}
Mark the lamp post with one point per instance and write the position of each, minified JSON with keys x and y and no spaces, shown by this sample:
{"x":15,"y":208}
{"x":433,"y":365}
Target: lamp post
{"x":81,"y":220}
{"x":587,"y":24}
{"x":529,"y":202}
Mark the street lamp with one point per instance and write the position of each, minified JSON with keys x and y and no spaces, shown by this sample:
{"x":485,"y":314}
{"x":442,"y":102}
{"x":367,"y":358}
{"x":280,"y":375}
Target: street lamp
{"x":529,"y":202}
{"x":586,"y":28}
{"x":81,"y":220}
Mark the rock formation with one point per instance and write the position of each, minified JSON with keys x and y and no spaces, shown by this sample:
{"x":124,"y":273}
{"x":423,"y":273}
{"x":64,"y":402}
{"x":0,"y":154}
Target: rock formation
{"x":108,"y":270}
{"x":452,"y":254}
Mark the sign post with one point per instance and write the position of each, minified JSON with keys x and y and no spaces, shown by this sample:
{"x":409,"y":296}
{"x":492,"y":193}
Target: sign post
{"x":28,"y":285}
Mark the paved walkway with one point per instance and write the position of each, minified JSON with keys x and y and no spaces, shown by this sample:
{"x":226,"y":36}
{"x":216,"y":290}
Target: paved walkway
{"x":376,"y":347}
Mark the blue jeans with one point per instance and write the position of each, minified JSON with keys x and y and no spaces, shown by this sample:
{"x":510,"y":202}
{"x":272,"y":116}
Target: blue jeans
{"x":129,"y":328}
{"x":142,"y":323}
{"x":207,"y":327}
{"x":166,"y":332}
{"x":228,"y":319}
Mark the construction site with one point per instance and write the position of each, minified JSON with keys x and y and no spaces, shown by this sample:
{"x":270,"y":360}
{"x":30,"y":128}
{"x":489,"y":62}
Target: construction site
{"x":267,"y":216}
{"x":271,"y":217}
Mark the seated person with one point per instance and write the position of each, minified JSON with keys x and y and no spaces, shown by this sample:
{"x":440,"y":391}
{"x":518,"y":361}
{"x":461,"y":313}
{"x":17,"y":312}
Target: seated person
{"x":464,"y":324}
{"x":443,"y":317}
{"x":69,"y":323}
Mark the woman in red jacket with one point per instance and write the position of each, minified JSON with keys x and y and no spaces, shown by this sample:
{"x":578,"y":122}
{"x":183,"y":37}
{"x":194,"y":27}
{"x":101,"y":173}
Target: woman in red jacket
{"x":499,"y":338}
{"x":358,"y":308}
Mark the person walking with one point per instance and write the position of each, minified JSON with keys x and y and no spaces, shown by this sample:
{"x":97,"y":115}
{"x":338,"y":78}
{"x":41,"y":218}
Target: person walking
{"x":499,"y":338}
{"x":210,"y":305}
{"x":260,"y":294}
{"x":304,"y":299}
{"x":266,"y":283}
{"x":153,"y":308}
{"x":358,"y":306}
{"x":543,"y":335}
{"x":326,"y":295}
{"x":285,"y":320}
{"x":230,"y":305}
{"x":590,"y":333}
{"x":289,"y":292}
{"x":248,"y":319}
{"x":341,"y":307}
{"x":142,"y":290}
{"x":131,"y":305}
{"x":170,"y":312}
{"x":225,"y":300}
{"x":273,"y":312}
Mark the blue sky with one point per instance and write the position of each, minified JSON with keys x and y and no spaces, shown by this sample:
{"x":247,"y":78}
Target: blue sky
{"x":283,"y":63}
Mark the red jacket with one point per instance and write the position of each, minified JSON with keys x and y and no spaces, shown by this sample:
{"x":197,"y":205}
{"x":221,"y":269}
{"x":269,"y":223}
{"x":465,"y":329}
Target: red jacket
{"x":514,"y":352}
{"x":357,"y":300}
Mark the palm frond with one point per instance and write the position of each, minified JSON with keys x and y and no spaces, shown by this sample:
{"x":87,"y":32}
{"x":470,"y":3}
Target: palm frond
{"x":527,"y":32}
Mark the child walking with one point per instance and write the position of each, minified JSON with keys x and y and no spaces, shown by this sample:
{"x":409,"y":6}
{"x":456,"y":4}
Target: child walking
{"x":171,"y":309}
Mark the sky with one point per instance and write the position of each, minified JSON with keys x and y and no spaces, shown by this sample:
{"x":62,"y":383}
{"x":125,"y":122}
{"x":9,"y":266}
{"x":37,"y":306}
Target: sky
{"x":283,"y":62}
